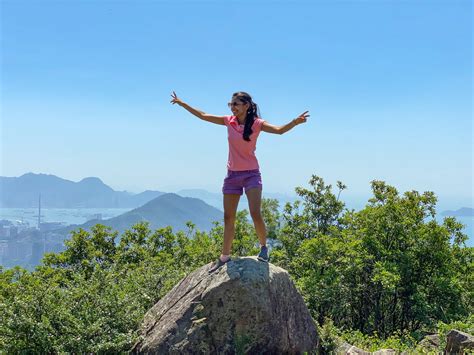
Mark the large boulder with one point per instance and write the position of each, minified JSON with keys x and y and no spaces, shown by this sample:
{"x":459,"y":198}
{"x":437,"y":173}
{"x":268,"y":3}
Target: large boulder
{"x":458,"y":342}
{"x":247,"y":306}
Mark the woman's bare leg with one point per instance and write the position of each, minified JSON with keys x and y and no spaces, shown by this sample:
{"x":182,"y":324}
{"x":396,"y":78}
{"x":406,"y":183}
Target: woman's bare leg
{"x":254,"y":197}
{"x":231,"y":202}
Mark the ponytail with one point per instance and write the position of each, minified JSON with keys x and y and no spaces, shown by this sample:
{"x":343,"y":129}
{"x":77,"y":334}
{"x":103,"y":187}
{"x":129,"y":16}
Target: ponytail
{"x":252,"y":113}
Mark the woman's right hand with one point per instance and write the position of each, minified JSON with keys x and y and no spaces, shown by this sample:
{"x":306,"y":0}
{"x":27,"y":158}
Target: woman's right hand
{"x":175,"y":99}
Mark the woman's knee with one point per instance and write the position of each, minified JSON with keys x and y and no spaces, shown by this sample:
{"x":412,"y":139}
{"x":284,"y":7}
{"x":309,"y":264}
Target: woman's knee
{"x":229,"y":217}
{"x":256,"y":215}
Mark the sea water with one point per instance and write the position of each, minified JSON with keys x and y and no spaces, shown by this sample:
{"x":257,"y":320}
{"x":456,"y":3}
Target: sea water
{"x":62,"y":215}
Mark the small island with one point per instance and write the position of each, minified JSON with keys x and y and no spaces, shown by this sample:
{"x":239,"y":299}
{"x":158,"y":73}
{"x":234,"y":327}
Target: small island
{"x":462,"y":212}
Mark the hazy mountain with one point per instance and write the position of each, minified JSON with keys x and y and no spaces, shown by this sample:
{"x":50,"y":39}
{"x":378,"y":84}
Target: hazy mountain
{"x":462,"y":212}
{"x":144,"y":197}
{"x":211,"y":198}
{"x":166,"y":210}
{"x":91,"y":192}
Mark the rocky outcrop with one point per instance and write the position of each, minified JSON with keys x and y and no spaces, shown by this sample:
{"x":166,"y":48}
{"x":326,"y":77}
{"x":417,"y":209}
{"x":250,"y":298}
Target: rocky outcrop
{"x":348,"y":349}
{"x":247,"y":306}
{"x":429,"y":343}
{"x":459,"y":343}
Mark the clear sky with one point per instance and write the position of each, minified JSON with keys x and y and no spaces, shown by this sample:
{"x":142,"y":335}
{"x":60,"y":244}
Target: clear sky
{"x":86,"y":88}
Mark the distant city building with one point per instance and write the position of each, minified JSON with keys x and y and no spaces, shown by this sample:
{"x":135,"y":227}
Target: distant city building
{"x":18,"y":252}
{"x":97,"y":216}
{"x":5,"y":222}
{"x":8,"y":232}
{"x":22,"y":225}
{"x":3,"y":250}
{"x":5,"y":232}
{"x":13,"y":231}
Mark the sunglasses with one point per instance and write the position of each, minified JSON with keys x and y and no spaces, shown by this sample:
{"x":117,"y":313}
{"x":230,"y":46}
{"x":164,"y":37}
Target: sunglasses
{"x":231,"y":104}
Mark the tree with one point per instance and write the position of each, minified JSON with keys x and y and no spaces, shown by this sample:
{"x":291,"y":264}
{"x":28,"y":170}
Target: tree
{"x":389,"y":267}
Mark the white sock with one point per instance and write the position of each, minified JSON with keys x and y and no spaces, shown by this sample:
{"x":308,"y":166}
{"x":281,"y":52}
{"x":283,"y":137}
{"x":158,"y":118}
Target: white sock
{"x":224,"y":258}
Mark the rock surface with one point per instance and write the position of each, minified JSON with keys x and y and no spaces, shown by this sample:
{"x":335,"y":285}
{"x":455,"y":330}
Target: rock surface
{"x":429,"y":343}
{"x":345,"y":348}
{"x":458,"y":342}
{"x":385,"y":352}
{"x":247,"y":306}
{"x":348,"y":349}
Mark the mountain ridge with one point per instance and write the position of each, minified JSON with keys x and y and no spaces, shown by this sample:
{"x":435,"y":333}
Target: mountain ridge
{"x":168,"y":209}
{"x":56,"y":192}
{"x":461,"y":212}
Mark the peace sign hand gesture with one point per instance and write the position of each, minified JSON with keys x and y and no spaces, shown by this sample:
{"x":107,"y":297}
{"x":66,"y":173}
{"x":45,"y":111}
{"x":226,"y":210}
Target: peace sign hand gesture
{"x":301,"y":118}
{"x":175,"y":99}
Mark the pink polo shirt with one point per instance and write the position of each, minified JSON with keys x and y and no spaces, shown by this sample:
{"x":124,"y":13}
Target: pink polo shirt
{"x":241,"y":152}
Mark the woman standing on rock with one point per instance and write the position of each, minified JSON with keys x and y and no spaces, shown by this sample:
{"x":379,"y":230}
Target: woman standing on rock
{"x":243,"y":129}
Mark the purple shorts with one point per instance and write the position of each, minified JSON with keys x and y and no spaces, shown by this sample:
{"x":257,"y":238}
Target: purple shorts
{"x":236,"y":181}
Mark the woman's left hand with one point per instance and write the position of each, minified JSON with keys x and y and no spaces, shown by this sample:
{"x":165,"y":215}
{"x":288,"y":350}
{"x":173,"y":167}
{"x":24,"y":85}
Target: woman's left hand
{"x":301,"y":118}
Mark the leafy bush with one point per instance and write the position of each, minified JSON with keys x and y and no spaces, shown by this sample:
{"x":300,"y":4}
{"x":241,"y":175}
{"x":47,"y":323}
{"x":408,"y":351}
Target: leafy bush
{"x":329,"y":337}
{"x":385,"y":269}
{"x":396,"y":341}
{"x":465,"y":325}
{"x":332,"y":337}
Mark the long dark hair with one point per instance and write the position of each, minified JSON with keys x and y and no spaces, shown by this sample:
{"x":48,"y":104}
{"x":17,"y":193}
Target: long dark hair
{"x":252,"y":112}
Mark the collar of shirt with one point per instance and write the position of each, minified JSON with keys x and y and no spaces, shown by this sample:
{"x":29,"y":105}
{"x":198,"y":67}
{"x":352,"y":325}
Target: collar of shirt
{"x":235,"y":122}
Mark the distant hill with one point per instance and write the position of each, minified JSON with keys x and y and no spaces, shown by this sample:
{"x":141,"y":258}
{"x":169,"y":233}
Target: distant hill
{"x":144,"y":197}
{"x":462,"y":212}
{"x":166,"y":210}
{"x":90,"y":192}
{"x":211,"y":198}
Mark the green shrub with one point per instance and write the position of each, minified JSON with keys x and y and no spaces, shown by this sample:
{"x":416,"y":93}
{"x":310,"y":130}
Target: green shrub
{"x":465,"y":325}
{"x":396,"y":341}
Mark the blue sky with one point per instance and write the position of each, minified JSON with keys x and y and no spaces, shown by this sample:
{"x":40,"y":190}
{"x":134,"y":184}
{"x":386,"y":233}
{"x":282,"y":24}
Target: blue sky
{"x":86,"y":88}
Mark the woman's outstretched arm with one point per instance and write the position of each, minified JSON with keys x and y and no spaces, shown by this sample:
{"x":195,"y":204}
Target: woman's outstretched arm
{"x":202,"y":115}
{"x":269,"y":128}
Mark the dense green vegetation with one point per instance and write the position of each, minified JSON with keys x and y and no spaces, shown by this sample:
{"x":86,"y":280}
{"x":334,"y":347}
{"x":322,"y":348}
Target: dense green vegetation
{"x":379,"y":277}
